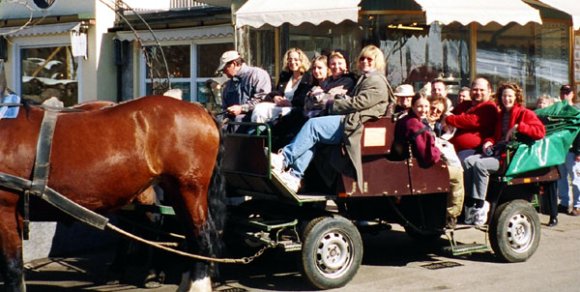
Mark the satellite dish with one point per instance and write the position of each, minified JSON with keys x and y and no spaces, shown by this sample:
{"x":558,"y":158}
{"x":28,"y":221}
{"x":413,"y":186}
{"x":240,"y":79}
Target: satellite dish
{"x":44,"y":3}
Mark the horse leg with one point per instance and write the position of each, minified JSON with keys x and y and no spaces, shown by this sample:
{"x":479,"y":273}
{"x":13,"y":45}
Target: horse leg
{"x":11,"y":264}
{"x":194,"y":205}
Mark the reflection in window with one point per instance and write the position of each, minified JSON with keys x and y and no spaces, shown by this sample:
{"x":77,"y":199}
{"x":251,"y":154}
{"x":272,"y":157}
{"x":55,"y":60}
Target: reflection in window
{"x":417,"y":54}
{"x":535,"y":56}
{"x":177,"y":64}
{"x":49,"y":72}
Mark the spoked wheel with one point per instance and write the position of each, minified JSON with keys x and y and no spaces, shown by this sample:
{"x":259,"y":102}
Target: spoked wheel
{"x":332,"y":252}
{"x":515,"y":231}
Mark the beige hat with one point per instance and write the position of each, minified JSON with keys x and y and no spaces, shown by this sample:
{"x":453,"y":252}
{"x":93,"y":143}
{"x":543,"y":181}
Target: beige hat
{"x":226,"y":58}
{"x":404,"y":90}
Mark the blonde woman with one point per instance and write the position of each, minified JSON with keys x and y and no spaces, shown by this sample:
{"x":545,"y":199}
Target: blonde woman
{"x":280,"y":101}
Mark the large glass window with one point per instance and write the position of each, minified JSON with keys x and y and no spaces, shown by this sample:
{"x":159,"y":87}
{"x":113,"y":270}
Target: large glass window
{"x":535,"y":56}
{"x":416,"y":53}
{"x":49,"y":72}
{"x":175,"y":68}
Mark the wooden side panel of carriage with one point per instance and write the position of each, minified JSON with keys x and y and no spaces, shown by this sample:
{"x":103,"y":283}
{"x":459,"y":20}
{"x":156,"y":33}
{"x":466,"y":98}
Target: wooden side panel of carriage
{"x":384,"y":177}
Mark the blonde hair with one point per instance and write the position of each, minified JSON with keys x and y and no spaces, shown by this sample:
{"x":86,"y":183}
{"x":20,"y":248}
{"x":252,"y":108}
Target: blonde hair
{"x":304,"y":62}
{"x":377,"y":55}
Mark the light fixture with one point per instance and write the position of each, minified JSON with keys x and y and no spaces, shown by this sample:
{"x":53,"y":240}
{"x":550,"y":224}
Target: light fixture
{"x":405,"y":27}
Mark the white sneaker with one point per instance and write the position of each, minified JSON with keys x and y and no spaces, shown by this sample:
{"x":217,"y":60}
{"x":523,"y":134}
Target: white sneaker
{"x":469,"y":215}
{"x":291,"y":181}
{"x":277,"y":162}
{"x":481,"y":214}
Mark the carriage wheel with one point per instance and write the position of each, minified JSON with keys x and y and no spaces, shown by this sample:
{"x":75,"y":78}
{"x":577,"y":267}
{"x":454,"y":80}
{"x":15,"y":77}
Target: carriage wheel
{"x":514,"y":233}
{"x":332,"y":252}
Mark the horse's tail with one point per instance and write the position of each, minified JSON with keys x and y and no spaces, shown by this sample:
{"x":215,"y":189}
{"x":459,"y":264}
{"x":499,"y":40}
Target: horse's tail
{"x":217,"y":198}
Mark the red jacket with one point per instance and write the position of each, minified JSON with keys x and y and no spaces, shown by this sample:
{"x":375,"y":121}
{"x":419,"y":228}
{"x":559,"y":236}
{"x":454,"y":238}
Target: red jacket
{"x":528,"y":125}
{"x":474,"y":124}
{"x":410,"y":130}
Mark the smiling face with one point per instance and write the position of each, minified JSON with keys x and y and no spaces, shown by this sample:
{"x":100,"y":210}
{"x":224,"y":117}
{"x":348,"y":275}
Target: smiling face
{"x":365,"y":64}
{"x":438,"y":89}
{"x":294,"y":62}
{"x":319,"y":70}
{"x":480,"y":90}
{"x":508,"y":98}
{"x":337,"y":66}
{"x":436,"y":111}
{"x":421,"y":108}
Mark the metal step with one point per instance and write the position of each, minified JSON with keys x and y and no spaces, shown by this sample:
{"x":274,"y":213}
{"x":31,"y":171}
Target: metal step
{"x":462,"y":249}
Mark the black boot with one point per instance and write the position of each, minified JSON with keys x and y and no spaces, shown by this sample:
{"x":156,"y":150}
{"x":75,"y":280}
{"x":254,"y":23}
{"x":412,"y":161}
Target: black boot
{"x":553,"y":221}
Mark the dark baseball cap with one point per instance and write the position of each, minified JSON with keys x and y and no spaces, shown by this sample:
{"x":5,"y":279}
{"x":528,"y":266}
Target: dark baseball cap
{"x":566,"y":88}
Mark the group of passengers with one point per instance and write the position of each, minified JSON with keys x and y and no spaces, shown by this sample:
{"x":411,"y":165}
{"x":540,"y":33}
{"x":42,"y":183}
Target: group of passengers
{"x":321,"y":103}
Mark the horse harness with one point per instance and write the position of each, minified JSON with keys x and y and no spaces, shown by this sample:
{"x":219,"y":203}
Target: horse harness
{"x":38,"y":186}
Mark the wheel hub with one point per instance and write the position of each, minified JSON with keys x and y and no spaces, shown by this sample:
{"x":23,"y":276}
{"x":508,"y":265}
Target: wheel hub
{"x":520,"y":232}
{"x":333,"y":254}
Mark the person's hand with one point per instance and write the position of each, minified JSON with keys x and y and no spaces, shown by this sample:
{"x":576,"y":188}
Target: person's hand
{"x":315,"y":91}
{"x":235,"y":110}
{"x":281,"y":101}
{"x":511,"y":133}
{"x":487,"y":148}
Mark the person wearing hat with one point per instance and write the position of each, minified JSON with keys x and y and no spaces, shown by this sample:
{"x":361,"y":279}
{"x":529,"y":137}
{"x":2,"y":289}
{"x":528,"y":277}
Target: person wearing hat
{"x":571,"y":167}
{"x":247,"y":85}
{"x":404,"y":94}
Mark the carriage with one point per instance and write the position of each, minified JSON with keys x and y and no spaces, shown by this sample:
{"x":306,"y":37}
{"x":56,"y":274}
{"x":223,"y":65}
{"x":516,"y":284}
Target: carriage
{"x":324,"y":223}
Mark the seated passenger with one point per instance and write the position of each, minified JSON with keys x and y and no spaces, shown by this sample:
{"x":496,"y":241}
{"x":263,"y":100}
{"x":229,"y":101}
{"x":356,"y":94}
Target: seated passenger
{"x":514,"y":121}
{"x":404,"y":94}
{"x":286,"y":128}
{"x":343,"y":124}
{"x":246,"y":86}
{"x":340,"y":83}
{"x":413,"y":130}
{"x":437,"y":114}
{"x":287,"y":93}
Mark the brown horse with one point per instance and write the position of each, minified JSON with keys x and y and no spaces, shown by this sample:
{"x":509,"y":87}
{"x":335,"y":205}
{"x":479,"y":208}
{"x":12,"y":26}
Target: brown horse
{"x":103,"y":159}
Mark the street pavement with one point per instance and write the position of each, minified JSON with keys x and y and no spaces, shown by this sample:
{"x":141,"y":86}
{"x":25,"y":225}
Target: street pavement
{"x":392,"y":262}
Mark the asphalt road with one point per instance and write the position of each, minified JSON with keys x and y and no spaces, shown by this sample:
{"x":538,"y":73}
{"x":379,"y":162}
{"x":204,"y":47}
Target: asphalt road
{"x":392,"y":262}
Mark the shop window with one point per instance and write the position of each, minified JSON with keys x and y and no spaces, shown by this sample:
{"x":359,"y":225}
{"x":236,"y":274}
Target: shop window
{"x":325,"y":38}
{"x":208,"y":59}
{"x":176,"y":68}
{"x":417,"y":53}
{"x":534,"y":56}
{"x":49,"y":72}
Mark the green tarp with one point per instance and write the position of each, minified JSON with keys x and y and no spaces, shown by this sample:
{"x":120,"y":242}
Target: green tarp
{"x":562,"y":123}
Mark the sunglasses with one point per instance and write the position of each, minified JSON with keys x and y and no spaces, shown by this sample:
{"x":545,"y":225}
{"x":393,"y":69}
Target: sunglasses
{"x":436,"y":110}
{"x":362,"y":59}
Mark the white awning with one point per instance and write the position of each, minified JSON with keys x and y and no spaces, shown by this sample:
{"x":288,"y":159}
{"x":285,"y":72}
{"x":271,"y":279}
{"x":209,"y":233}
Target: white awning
{"x":178,"y":33}
{"x":567,"y":6}
{"x":481,"y":11}
{"x":39,"y":29}
{"x":260,"y":12}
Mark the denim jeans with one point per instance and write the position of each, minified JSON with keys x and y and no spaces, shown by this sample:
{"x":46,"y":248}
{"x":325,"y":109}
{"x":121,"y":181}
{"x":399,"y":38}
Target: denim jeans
{"x":477,"y":169}
{"x":570,"y":168}
{"x":327,"y":130}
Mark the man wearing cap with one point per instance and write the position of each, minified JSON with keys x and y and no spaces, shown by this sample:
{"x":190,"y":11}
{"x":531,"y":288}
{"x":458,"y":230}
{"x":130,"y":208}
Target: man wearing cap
{"x":571,"y":167}
{"x":404,"y":94}
{"x":246,"y":86}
